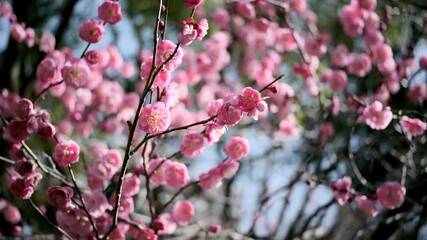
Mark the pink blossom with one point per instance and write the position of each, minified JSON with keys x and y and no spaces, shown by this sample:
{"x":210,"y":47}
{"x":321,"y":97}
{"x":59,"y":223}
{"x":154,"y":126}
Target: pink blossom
{"x":340,"y":56}
{"x":193,"y":3}
{"x":20,"y":188}
{"x":326,"y":131}
{"x":213,"y":107}
{"x":245,"y":9}
{"x":221,"y":17}
{"x":383,"y":53}
{"x":127,"y":205}
{"x":187,"y":34}
{"x":298,"y":6}
{"x":337,"y":80}
{"x":11,"y":214}
{"x":94,"y":182}
{"x":16,"y":131}
{"x":335,"y":105}
{"x":76,"y":73}
{"x":417,"y":93}
{"x":373,"y":39}
{"x":230,"y":113}
{"x":23,"y":108}
{"x":110,"y":12}
{"x":162,"y":79}
{"x":33,"y":179}
{"x":237,"y":148}
{"x":352,"y":20}
{"x":47,"y":42}
{"x":377,"y":116}
{"x":24,"y":167}
{"x":96,"y":203}
{"x":147,"y":234}
{"x":211,"y":179}
{"x":367,"y":205}
{"x":250,"y":102}
{"x":93,"y":56}
{"x":157,"y":169}
{"x":201,"y":27}
{"x":391,"y":195}
{"x":183,"y":212}
{"x":30,"y":37}
{"x":5,"y":9}
{"x":128,"y":70}
{"x":285,"y":40}
{"x":316,"y":46}
{"x":130,"y":186}
{"x":66,"y":153}
{"x":176,"y":175}
{"x":165,"y":49}
{"x":368,"y":4}
{"x":289,"y":126}
{"x":360,"y":64}
{"x":168,"y":223}
{"x":413,"y":126}
{"x":228,"y":168}
{"x":154,"y":118}
{"x":91,"y":31}
{"x":214,"y":132}
{"x":342,"y":190}
{"x":60,"y":197}
{"x":372,"y":21}
{"x":192,"y":145}
{"x":215,"y":228}
{"x":116,"y":60}
{"x":75,"y":222}
{"x":17,"y":31}
{"x":48,"y":70}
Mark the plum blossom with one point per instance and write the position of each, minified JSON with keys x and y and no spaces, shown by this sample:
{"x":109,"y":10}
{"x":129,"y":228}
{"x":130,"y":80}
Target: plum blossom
{"x":176,"y":175}
{"x":211,"y":179}
{"x":192,"y":144}
{"x":250,"y":102}
{"x":391,"y":195}
{"x":154,"y":118}
{"x":91,"y":31}
{"x":413,"y":126}
{"x":76,"y":73}
{"x":367,"y":205}
{"x":110,"y":12}
{"x":60,"y":197}
{"x":237,"y":148}
{"x":342,"y":190}
{"x":360,"y":64}
{"x":193,"y":3}
{"x":66,"y":153}
{"x":377,"y":116}
{"x":183,"y":212}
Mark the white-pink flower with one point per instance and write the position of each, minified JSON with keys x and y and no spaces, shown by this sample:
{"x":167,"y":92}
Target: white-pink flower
{"x":183,"y":212}
{"x":192,"y":144}
{"x":237,"y":148}
{"x":413,"y":126}
{"x":377,"y":116}
{"x":154,"y":118}
{"x":66,"y":153}
{"x":391,"y":195}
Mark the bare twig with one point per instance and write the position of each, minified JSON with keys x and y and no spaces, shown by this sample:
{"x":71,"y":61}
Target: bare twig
{"x":83,"y":202}
{"x":59,"y":229}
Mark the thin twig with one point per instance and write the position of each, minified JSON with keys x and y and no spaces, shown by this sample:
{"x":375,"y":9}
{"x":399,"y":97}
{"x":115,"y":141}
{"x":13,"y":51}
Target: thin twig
{"x":356,"y":170}
{"x":83,"y":202}
{"x":59,"y":229}
{"x":176,"y":195}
